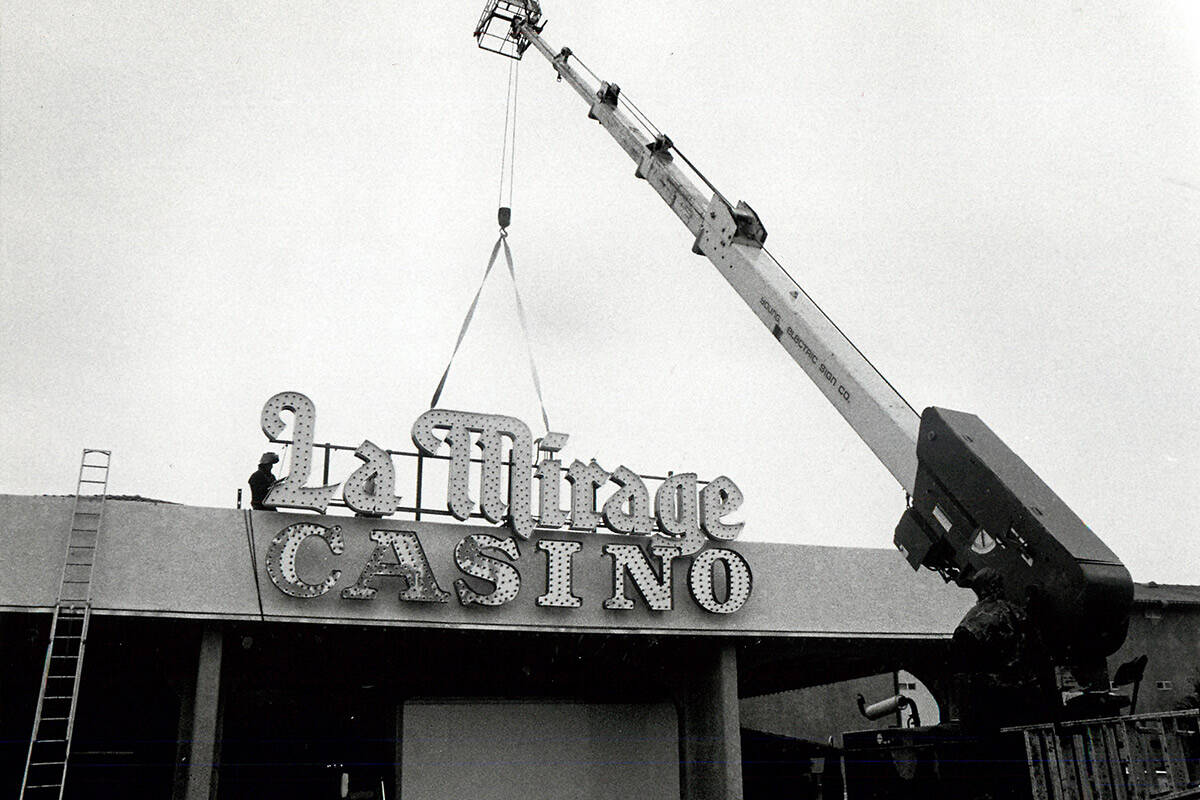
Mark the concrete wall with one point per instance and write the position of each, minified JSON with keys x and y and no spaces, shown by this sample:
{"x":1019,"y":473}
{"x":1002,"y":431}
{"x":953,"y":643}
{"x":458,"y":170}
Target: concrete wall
{"x":1169,"y":634}
{"x":505,"y":749}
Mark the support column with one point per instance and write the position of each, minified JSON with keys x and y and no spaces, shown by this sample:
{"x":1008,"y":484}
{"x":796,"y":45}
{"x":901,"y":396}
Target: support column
{"x":202,"y":725}
{"x":711,"y":743}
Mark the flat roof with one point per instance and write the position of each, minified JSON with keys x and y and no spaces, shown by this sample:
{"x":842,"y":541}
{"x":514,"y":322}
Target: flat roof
{"x":1166,"y":594}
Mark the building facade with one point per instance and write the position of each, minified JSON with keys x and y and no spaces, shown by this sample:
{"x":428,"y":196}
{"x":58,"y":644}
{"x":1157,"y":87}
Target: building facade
{"x":264,"y":654}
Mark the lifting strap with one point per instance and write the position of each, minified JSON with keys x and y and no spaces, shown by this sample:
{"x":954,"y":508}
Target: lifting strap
{"x":537,"y":384}
{"x":504,"y":215}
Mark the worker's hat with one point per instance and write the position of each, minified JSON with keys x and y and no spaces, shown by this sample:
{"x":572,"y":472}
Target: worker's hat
{"x":268,"y":458}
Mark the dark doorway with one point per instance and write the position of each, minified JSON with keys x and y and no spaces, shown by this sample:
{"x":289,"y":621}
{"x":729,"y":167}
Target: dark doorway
{"x":307,"y":717}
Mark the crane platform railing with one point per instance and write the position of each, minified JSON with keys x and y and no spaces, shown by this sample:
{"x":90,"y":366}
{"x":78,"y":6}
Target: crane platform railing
{"x":495,"y":31}
{"x":1139,"y":757}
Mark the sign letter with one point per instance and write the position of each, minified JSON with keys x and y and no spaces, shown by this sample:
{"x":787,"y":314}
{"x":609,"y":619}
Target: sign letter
{"x":290,"y":491}
{"x":410,"y":565}
{"x":558,"y":574}
{"x":719,"y":498}
{"x":631,"y":495}
{"x":655,"y":590}
{"x":549,"y":476}
{"x":737,"y":576}
{"x":370,"y":491}
{"x":678,"y":514}
{"x":585,"y":480}
{"x":468,"y":554}
{"x":492,"y":428}
{"x":281,"y":558}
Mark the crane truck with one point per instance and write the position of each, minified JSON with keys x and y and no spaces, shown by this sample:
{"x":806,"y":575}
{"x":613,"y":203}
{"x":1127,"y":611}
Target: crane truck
{"x":972,"y":503}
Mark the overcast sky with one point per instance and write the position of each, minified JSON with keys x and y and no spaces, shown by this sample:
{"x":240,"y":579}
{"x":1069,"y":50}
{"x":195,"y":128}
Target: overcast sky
{"x":204,"y":204}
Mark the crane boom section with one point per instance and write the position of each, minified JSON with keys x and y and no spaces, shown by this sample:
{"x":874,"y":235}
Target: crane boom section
{"x":731,"y":238}
{"x":974,"y":503}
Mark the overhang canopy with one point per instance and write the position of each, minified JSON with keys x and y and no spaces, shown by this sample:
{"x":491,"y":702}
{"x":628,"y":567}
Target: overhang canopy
{"x":182,"y":561}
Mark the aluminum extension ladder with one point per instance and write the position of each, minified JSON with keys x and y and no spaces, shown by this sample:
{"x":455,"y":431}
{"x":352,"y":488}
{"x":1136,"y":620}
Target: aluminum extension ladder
{"x":50,"y":742}
{"x":1139,"y":757}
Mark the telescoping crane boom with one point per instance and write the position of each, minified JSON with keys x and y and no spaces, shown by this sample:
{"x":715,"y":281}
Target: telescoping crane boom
{"x":974,"y":503}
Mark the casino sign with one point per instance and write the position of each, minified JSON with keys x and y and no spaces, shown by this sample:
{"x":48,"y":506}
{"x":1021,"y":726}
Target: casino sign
{"x":685,"y":522}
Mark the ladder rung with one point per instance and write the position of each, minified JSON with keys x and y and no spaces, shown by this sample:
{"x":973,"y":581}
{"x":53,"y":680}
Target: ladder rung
{"x":83,"y":546}
{"x":42,"y":786}
{"x":60,"y":656}
{"x":54,"y":719}
{"x":50,"y":741}
{"x":83,"y":582}
{"x":46,"y":763}
{"x":80,"y":563}
{"x":87,"y":513}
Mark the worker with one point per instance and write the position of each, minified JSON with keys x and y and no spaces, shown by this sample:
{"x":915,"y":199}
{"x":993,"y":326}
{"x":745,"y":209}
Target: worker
{"x":999,"y":658}
{"x":262,"y":480}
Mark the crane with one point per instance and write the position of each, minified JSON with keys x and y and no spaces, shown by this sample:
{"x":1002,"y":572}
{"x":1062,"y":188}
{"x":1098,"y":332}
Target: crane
{"x":972,"y":502}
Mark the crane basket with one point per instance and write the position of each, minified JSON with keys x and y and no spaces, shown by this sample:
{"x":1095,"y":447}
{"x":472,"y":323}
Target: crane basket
{"x":495,"y":29}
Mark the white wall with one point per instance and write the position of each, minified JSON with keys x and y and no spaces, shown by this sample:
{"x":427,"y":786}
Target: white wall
{"x":512,"y":750}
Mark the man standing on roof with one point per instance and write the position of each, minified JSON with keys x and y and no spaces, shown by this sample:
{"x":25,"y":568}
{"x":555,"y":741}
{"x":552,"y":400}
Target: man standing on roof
{"x":262,"y":480}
